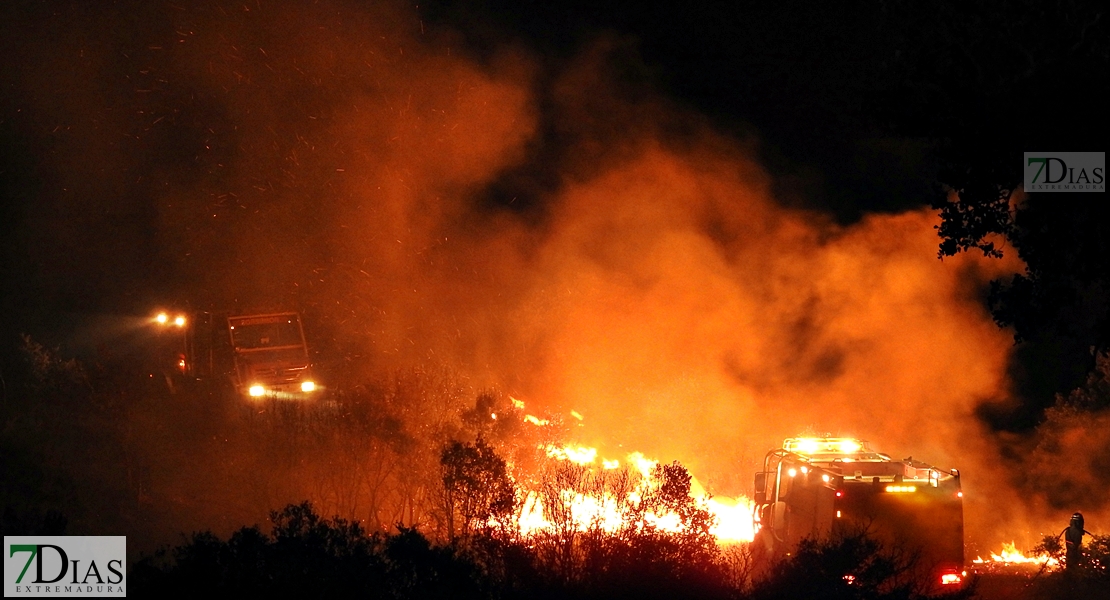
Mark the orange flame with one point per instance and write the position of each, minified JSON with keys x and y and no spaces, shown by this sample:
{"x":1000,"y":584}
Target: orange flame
{"x":732,"y":518}
{"x":1010,"y":555}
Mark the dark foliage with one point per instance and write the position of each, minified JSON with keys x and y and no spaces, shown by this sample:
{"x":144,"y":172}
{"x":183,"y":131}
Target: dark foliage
{"x":55,"y":409}
{"x":305,"y":556}
{"x":851,"y":566}
{"x":33,"y":523}
{"x":1066,"y":466}
{"x":1089,"y":579}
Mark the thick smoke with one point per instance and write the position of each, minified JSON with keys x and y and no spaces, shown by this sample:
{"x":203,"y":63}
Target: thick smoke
{"x":344,"y":160}
{"x":1067,"y":461}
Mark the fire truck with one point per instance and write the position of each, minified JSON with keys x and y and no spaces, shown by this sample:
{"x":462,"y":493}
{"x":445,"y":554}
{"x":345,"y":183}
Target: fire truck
{"x":820,"y":487}
{"x":260,"y":355}
{"x":270,"y":355}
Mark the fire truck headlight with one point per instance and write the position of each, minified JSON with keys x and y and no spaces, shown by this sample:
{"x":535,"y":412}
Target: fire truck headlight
{"x":256,"y":390}
{"x":179,"y":321}
{"x":161,"y":318}
{"x":308,"y":386}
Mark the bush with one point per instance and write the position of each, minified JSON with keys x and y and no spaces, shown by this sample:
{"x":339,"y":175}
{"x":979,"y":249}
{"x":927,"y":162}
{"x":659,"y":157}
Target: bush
{"x":852,"y":566}
{"x":305,"y":556}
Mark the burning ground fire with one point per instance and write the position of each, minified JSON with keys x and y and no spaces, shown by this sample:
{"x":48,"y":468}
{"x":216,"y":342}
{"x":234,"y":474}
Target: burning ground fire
{"x":606,"y":507}
{"x":1010,"y":555}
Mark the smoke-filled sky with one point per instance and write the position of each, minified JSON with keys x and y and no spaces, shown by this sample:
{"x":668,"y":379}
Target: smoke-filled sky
{"x":548,"y":216}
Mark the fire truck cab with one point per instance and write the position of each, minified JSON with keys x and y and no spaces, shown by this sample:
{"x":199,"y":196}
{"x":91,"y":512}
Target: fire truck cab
{"x":821,"y":486}
{"x":261,"y":355}
{"x":270,"y":355}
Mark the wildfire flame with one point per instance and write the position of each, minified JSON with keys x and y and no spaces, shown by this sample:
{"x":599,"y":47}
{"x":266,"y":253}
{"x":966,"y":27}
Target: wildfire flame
{"x":1010,"y":555}
{"x":733,"y":521}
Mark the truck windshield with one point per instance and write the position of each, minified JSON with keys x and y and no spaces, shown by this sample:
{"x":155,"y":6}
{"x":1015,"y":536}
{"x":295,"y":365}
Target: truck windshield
{"x":266,"y":332}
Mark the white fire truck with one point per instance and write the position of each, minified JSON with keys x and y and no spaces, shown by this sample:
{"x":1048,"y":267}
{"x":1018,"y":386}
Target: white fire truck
{"x":821,"y":486}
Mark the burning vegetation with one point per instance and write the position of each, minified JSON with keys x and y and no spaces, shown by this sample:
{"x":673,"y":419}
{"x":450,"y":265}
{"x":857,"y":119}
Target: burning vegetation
{"x":1010,"y":555}
{"x":570,"y":526}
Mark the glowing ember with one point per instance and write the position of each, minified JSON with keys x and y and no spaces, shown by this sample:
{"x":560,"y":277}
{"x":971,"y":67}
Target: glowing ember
{"x":950,"y":579}
{"x":579,"y":455}
{"x":535,"y":420}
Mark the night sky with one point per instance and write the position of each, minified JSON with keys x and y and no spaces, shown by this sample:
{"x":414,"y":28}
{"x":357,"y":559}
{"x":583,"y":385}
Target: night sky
{"x":842,"y":103}
{"x":553,"y":198}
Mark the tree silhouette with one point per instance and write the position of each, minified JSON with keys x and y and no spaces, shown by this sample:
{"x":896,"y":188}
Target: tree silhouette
{"x":980,"y":83}
{"x":477,"y":489}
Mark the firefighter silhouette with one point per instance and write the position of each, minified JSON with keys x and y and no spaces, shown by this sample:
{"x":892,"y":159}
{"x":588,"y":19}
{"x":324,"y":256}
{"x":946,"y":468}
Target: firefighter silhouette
{"x":1073,"y":539}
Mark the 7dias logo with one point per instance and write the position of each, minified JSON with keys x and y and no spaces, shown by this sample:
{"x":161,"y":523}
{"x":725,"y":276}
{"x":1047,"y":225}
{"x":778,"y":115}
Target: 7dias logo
{"x":53,"y":565}
{"x":1065,"y":171}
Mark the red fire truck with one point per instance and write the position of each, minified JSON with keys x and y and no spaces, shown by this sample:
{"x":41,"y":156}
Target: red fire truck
{"x":261,"y":355}
{"x":821,"y":486}
{"x":270,"y":355}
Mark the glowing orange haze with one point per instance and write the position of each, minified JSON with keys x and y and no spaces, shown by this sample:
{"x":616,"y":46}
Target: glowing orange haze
{"x":533,"y":225}
{"x":663,"y":293}
{"x":686,"y":315}
{"x":655,"y":285}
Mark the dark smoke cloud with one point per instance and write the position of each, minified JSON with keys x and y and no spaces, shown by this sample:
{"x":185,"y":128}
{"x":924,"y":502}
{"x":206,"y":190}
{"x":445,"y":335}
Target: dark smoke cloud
{"x":357,"y":164}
